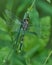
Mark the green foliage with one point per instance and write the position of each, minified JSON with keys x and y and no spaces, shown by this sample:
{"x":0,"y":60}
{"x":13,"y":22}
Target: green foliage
{"x":34,"y":51}
{"x":2,"y":6}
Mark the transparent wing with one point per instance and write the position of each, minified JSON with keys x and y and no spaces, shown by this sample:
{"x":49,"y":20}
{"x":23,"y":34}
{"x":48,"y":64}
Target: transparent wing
{"x":13,"y":19}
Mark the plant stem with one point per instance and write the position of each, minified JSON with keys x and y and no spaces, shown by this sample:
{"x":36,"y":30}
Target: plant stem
{"x":48,"y":57}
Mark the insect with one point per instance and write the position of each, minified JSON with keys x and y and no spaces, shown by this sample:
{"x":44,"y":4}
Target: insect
{"x":20,"y":26}
{"x":23,"y":26}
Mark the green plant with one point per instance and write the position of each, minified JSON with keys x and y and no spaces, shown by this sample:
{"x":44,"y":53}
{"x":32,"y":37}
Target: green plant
{"x":37,"y":44}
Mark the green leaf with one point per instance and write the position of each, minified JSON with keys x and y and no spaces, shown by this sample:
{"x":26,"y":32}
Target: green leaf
{"x":3,"y":31}
{"x":17,"y":59}
{"x":2,"y":6}
{"x":34,"y":18}
{"x":9,"y":4}
{"x":44,"y":7}
{"x":24,"y":5}
{"x":4,"y":36}
{"x":3,"y":54}
{"x":32,"y":51}
{"x":40,"y":58}
{"x":3,"y":25}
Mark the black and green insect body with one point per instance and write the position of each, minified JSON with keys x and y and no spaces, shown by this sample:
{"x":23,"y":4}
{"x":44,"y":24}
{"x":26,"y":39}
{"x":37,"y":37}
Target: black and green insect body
{"x":23,"y":29}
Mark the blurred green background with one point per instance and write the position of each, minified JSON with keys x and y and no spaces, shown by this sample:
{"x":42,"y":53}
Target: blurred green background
{"x":37,"y":49}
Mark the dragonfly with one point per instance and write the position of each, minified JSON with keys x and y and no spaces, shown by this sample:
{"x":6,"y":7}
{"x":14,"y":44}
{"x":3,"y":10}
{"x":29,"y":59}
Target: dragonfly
{"x":23,"y":26}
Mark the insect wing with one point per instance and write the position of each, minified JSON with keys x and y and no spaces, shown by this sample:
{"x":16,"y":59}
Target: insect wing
{"x":12,"y":20}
